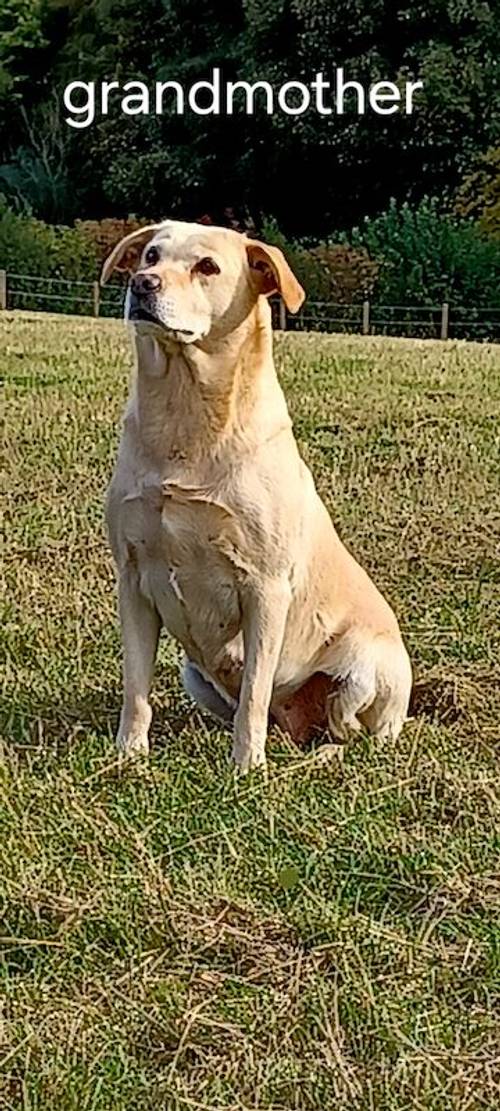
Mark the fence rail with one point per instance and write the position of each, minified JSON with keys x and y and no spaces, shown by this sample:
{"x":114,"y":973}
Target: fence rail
{"x":445,"y":321}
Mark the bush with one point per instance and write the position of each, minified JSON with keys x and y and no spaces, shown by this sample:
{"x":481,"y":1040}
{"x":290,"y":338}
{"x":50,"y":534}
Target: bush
{"x":25,"y":245}
{"x":426,"y":257}
{"x":28,"y":246}
{"x":51,"y":266}
{"x":103,"y":235}
{"x":349,"y":273}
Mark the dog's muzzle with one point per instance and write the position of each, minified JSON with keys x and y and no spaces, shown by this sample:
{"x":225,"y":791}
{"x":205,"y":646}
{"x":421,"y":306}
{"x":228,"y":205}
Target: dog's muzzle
{"x":150,"y":310}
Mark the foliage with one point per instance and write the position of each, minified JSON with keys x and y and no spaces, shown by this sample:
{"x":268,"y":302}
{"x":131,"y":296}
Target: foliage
{"x":55,"y":255}
{"x":29,"y":246}
{"x":26,"y":245}
{"x":479,"y":193}
{"x":37,"y":178}
{"x":21,"y":36}
{"x":349,"y":273}
{"x":426,"y":257}
{"x":341,"y":168}
{"x":103,"y":235}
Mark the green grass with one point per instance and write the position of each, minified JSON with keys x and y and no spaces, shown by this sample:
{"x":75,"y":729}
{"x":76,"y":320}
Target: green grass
{"x":173,"y":939}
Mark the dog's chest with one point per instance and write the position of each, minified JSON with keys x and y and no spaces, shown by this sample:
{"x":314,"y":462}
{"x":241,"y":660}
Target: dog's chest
{"x":179,"y":550}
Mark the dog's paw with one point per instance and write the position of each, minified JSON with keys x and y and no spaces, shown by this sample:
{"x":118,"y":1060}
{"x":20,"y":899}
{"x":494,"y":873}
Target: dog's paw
{"x":328,"y":753}
{"x":132,"y":745}
{"x":248,"y":758}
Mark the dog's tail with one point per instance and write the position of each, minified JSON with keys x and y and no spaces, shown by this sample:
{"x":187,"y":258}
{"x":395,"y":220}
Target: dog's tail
{"x":204,"y":692}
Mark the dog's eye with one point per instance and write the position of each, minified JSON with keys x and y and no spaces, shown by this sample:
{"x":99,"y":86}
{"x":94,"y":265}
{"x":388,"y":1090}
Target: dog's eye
{"x":207,"y":266}
{"x":152,"y":256}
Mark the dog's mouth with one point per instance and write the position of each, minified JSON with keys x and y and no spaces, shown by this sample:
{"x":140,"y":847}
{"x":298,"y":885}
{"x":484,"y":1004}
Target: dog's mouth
{"x":138,"y":314}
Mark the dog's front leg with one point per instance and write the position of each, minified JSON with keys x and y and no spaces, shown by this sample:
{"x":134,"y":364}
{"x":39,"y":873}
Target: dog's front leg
{"x":265,"y":608}
{"x":140,"y":625}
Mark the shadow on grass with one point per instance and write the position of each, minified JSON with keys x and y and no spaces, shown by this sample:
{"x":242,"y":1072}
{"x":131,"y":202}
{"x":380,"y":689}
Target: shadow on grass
{"x":55,"y":724}
{"x":59,"y":725}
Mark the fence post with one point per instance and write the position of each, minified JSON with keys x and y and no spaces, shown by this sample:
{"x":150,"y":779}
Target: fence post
{"x":365,"y":326}
{"x":95,"y":297}
{"x":445,"y":316}
{"x":282,"y":315}
{"x":3,"y":289}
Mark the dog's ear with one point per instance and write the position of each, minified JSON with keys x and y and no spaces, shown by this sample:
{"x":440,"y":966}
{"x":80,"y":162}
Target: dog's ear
{"x":127,"y":252}
{"x":272,"y":274}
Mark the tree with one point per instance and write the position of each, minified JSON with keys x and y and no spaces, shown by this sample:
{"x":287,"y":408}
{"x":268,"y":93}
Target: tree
{"x":342,"y":167}
{"x":37,"y":178}
{"x":313,"y":173}
{"x":22,"y":41}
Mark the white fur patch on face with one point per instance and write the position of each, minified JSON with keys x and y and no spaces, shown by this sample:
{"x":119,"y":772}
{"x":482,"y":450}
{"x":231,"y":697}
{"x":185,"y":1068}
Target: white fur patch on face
{"x":177,"y":316}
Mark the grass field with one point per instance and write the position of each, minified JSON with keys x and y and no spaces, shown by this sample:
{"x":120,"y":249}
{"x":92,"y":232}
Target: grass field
{"x":173,"y":939}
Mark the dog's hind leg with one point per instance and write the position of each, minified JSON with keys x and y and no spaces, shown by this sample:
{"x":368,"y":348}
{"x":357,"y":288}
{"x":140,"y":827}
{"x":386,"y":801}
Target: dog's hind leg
{"x":351,"y":695}
{"x":385,"y":717}
{"x":206,"y":695}
{"x":373,"y":691}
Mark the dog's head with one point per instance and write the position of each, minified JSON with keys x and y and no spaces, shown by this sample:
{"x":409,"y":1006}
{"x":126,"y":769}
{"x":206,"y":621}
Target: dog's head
{"x":189,"y":281}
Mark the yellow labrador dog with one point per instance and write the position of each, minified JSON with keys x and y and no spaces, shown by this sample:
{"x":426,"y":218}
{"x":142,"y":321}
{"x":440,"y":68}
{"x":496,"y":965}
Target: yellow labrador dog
{"x":215,"y":524}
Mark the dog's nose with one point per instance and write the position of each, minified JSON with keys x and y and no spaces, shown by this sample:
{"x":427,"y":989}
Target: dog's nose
{"x":144,"y":283}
